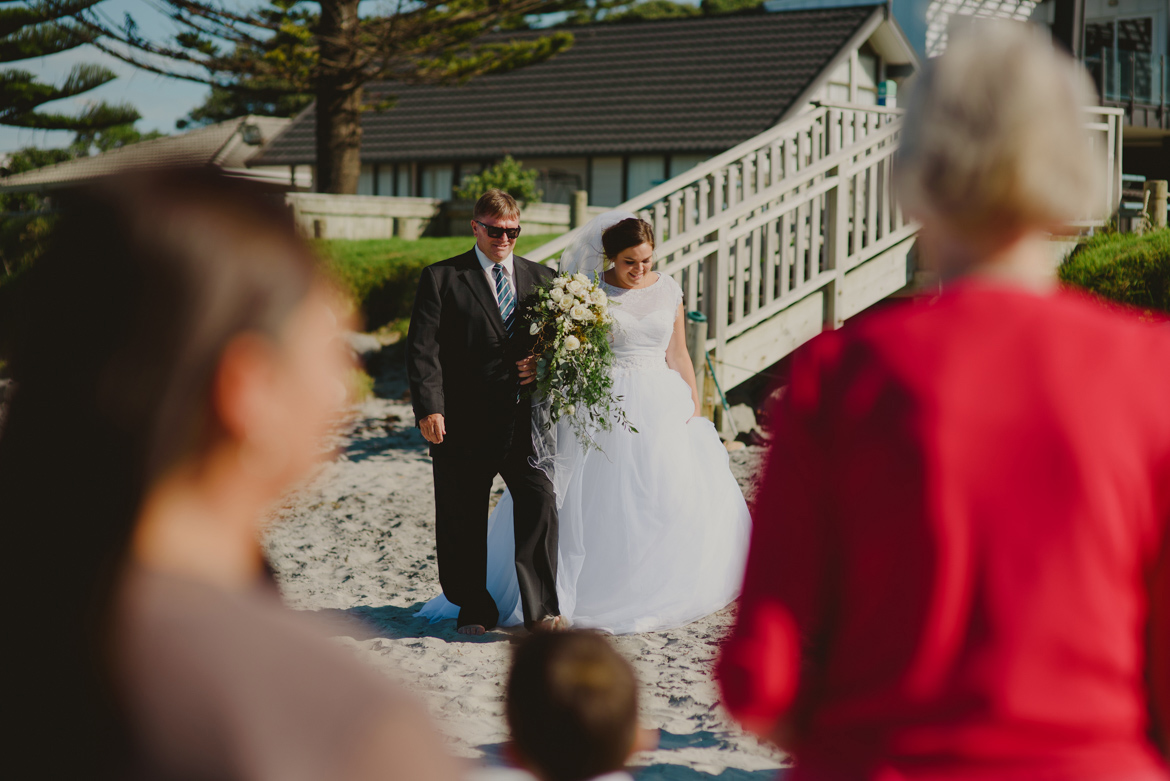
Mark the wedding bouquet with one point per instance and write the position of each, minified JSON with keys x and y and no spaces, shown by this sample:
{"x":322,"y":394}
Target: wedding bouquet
{"x":571,"y":322}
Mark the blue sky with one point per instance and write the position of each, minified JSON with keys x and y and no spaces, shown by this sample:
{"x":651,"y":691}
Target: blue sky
{"x":159,"y":100}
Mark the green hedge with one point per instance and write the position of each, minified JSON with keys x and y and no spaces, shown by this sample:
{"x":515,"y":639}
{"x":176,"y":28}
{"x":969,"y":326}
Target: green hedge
{"x":382,"y":274}
{"x":1124,"y":267}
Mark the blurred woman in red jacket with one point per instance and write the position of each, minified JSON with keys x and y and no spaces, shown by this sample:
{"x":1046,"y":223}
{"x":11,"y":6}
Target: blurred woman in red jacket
{"x":959,"y":561}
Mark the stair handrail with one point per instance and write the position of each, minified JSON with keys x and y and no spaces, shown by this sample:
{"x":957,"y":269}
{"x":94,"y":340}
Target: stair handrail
{"x":752,"y":145}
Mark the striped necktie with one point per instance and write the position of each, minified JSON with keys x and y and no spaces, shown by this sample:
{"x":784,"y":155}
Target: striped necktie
{"x":505,"y":297}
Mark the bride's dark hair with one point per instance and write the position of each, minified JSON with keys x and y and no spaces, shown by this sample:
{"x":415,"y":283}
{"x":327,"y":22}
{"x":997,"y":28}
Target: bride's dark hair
{"x":630,"y":232}
{"x":121,"y":328}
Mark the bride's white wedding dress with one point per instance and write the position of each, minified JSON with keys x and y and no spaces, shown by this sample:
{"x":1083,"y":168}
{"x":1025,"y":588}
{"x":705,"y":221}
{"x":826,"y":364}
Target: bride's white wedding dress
{"x":653,"y":527}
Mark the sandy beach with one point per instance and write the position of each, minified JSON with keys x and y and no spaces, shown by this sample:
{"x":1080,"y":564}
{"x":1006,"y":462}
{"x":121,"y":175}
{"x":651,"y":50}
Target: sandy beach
{"x":358,"y":541}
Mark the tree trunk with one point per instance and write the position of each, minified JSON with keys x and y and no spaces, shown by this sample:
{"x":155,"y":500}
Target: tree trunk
{"x":339,"y":100}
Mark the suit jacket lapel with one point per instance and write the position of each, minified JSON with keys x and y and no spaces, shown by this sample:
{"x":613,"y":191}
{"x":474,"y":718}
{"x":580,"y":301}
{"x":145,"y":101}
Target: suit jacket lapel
{"x":473,"y":275}
{"x":524,"y":281}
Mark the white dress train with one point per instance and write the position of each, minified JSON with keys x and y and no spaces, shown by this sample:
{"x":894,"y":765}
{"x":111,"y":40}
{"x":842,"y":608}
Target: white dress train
{"x":653,"y":527}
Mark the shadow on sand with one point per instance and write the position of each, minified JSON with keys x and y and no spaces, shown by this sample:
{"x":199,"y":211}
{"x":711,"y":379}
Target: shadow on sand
{"x":663,"y":772}
{"x":390,"y":622}
{"x":495,"y":755}
{"x":374,"y":436}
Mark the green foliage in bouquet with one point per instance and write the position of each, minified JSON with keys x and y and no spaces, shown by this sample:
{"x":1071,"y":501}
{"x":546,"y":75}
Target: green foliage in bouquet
{"x":571,"y":321}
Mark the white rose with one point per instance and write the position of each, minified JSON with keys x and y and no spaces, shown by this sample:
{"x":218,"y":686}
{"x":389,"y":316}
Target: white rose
{"x":580,"y":312}
{"x":597,"y":296}
{"x":577,"y":287}
{"x":556,"y":294}
{"x":534,"y":329}
{"x":572,"y":343}
{"x":579,"y":277}
{"x":567,"y":303}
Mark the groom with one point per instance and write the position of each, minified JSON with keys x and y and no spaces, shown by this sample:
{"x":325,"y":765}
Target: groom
{"x":468,"y":353}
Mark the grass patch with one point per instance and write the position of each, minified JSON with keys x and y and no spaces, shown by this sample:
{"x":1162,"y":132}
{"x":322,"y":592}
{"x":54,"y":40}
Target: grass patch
{"x":381,"y":274}
{"x":1124,"y":267}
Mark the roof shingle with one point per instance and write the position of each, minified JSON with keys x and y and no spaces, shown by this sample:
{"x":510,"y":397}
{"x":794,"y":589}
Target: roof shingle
{"x":689,"y":85}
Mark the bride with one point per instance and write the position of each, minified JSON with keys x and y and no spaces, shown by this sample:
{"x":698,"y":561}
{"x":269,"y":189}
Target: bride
{"x":653,"y":527}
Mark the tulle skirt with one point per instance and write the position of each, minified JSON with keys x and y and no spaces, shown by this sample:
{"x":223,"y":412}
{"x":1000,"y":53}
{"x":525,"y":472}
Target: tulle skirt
{"x":653,"y":527}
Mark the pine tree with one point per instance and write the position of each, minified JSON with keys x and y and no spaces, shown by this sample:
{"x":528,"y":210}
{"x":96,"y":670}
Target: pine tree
{"x":37,"y":28}
{"x":331,"y":53}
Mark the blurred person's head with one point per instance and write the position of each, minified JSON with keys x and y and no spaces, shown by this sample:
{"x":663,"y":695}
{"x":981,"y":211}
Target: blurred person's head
{"x":495,"y":221}
{"x":572,"y":707}
{"x":177,"y":333}
{"x":994,"y":147}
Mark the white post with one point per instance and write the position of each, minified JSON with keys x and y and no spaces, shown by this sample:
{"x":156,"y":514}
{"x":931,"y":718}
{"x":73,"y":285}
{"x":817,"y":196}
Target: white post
{"x":835,"y":251}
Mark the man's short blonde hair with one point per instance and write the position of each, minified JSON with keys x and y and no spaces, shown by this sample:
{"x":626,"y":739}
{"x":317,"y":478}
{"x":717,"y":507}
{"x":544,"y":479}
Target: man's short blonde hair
{"x":497,"y":204}
{"x":995,"y":138}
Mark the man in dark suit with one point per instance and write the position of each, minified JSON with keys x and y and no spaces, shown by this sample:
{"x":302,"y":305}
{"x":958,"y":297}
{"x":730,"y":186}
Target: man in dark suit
{"x":468,"y":353}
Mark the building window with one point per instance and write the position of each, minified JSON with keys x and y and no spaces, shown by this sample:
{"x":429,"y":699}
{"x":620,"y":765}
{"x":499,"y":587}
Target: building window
{"x":643,"y":173}
{"x":680,"y":164}
{"x":402,"y":183}
{"x":384,"y":179}
{"x":437,"y":181}
{"x":605,"y":181}
{"x":366,"y":180}
{"x":1119,"y":54}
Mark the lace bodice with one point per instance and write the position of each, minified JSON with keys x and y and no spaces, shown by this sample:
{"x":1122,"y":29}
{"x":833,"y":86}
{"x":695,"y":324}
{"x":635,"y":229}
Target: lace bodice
{"x":644,"y":322}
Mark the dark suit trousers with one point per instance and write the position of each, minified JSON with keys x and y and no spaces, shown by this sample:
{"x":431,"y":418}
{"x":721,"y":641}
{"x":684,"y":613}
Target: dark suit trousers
{"x":462,"y":492}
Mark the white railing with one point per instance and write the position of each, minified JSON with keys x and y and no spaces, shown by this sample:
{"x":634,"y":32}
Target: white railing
{"x":1105,"y":128}
{"x":788,"y":215}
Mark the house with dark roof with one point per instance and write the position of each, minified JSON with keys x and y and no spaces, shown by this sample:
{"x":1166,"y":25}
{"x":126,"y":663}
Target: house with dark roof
{"x":627,"y":107}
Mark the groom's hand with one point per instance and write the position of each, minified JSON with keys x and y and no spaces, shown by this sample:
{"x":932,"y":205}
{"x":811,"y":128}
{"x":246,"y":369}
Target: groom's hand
{"x":527,"y":369}
{"x":433,"y":428}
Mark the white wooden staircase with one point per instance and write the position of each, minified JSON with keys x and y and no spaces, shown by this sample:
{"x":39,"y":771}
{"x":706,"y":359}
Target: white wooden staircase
{"x":792,"y":231}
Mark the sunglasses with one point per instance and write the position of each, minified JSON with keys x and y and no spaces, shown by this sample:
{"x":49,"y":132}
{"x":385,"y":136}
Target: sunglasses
{"x":495,"y":232}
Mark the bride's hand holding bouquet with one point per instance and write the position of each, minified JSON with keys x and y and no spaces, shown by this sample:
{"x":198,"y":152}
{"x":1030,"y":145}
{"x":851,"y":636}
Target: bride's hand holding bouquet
{"x":571,"y":321}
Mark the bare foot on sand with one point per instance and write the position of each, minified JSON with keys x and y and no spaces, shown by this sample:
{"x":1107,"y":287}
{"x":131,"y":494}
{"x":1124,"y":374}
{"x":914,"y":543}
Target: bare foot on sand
{"x":472,"y":629}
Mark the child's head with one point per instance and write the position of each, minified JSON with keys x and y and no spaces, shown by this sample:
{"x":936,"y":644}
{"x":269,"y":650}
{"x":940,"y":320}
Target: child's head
{"x":572,"y":706}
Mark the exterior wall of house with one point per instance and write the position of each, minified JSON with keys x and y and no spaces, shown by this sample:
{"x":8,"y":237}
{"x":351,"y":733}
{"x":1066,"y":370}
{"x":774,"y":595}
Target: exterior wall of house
{"x":605,"y":181}
{"x":613,"y":180}
{"x":855,"y":80}
{"x":1126,"y":48}
{"x":610,"y":180}
{"x":1131,"y":37}
{"x":559,"y":177}
{"x":413,"y":180}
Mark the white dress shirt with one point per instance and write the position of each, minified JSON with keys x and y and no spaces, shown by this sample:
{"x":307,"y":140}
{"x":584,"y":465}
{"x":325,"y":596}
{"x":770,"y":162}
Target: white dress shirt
{"x":508,"y":265}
